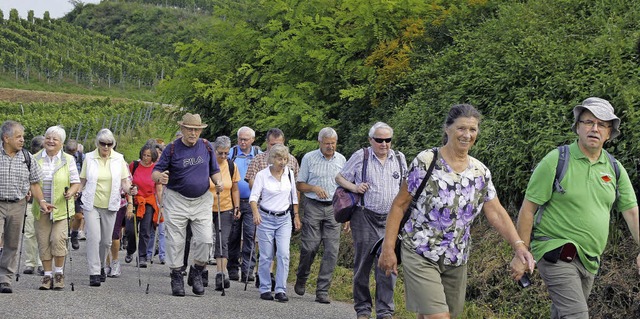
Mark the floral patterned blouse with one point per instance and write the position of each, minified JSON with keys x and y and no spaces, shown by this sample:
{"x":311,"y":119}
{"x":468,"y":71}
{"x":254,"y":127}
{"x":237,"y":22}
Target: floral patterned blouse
{"x":441,"y":219}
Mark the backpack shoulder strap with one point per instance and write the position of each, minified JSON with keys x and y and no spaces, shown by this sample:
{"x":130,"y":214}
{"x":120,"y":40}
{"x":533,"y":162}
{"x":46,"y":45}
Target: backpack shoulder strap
{"x":256,"y":150}
{"x":231,"y":168}
{"x":27,"y":159}
{"x":135,"y":167}
{"x":561,"y":167}
{"x":365,"y":162}
{"x":234,"y":153}
{"x":399,"y":165}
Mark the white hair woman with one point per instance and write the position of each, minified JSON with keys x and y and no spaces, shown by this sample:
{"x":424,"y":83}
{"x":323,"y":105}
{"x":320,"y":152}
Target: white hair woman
{"x":276,"y":189}
{"x":59,"y":186}
{"x":104,"y":173}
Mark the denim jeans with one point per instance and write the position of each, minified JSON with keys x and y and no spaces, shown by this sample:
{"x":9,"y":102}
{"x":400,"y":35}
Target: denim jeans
{"x":242,"y":231}
{"x":152,"y":239}
{"x":274,"y":231}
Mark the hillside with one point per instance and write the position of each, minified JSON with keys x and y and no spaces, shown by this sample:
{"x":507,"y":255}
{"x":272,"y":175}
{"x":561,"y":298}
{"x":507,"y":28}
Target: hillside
{"x":53,"y":50}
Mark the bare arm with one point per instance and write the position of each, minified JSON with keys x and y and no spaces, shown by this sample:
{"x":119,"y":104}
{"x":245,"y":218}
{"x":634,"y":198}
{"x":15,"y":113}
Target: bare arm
{"x":500,"y":220}
{"x":306,"y":188}
{"x":388,"y":261}
{"x":359,"y":188}
{"x":631,"y":217}
{"x":524,"y":226}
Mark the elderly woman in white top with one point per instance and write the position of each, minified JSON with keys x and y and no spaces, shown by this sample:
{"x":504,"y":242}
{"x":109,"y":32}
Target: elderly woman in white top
{"x":275,"y":187}
{"x":59,"y":186}
{"x":104,"y":173}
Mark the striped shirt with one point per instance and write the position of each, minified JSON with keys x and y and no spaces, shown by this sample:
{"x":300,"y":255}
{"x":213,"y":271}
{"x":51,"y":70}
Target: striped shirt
{"x":261,"y":161}
{"x":15,"y":178}
{"x":383,"y":179}
{"x":316,"y":170}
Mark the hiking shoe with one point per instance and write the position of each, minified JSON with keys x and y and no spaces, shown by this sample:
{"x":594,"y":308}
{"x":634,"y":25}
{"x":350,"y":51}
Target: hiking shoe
{"x":299,"y":287}
{"x":143,"y":262}
{"x":82,"y":236}
{"x":5,"y":288}
{"x":28,"y":270}
{"x":116,"y":270}
{"x":324,"y":299}
{"x":162,"y":261}
{"x":245,"y":278}
{"x":266,"y":296}
{"x":58,"y":281}
{"x":128,"y":258}
{"x":75,"y":244}
{"x":177,"y":283}
{"x":219,"y":282}
{"x":40,"y":271}
{"x":194,"y":279}
{"x":47,"y":283}
{"x":233,"y":275}
{"x":94,"y":280}
{"x":281,"y":297}
{"x":227,"y":283}
{"x":205,"y":278}
{"x":103,"y":275}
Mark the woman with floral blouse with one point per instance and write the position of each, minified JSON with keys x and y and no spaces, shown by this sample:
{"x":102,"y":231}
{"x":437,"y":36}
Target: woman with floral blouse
{"x":436,"y":237}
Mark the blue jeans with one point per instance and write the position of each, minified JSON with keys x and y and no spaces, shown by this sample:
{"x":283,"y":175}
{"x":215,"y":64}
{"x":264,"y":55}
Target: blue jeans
{"x":274,"y":230}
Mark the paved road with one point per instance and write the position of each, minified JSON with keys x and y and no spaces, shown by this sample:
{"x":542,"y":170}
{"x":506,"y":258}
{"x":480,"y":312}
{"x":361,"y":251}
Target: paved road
{"x":123,"y":297}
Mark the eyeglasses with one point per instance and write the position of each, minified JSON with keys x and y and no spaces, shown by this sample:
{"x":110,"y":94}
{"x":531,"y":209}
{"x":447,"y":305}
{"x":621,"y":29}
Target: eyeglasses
{"x":222,"y":153}
{"x":380,"y":140}
{"x":244,"y":139}
{"x":103,"y":144}
{"x":590,"y":124}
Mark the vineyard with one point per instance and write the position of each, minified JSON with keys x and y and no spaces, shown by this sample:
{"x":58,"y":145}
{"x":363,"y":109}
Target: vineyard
{"x":81,"y":119}
{"x":56,"y":50}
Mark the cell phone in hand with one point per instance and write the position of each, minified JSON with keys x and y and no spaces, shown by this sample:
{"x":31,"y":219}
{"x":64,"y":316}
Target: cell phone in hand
{"x":524,"y":281}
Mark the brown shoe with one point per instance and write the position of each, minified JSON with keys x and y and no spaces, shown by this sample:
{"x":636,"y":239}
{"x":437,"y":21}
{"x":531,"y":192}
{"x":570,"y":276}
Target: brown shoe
{"x":47,"y":282}
{"x":58,"y":281}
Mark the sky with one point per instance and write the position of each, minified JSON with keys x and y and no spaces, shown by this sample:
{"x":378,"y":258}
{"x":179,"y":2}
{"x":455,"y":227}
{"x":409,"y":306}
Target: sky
{"x":56,"y":8}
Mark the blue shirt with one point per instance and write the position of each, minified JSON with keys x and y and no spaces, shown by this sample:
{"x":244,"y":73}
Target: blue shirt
{"x":242,"y":161}
{"x":189,"y":167}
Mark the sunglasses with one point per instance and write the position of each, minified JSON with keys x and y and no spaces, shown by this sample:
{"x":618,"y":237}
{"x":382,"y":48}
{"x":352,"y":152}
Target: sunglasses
{"x":380,"y":140}
{"x":103,"y":144}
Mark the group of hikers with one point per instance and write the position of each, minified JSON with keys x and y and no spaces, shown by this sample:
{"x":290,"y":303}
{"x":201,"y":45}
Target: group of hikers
{"x":193,"y":193}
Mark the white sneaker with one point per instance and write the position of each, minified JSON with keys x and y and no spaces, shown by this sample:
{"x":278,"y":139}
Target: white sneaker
{"x":107,"y":271}
{"x":115,"y":269}
{"x":81,"y":235}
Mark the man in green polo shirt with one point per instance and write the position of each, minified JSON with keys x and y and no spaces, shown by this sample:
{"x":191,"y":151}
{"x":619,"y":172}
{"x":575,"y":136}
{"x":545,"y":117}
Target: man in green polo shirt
{"x":570,"y":232}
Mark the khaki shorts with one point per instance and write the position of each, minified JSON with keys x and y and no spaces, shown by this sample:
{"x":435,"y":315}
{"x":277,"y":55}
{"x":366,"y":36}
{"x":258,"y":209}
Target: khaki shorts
{"x":433,"y":288}
{"x":51,"y":237}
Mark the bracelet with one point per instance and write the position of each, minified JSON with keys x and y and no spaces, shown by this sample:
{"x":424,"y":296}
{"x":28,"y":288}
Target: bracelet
{"x":519,"y":242}
{"x":43,"y":200}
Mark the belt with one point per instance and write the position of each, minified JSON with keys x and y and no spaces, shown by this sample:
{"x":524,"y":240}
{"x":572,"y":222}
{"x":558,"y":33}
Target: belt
{"x":10,"y":200}
{"x":322,"y":202}
{"x":244,"y":200}
{"x":274,"y":213}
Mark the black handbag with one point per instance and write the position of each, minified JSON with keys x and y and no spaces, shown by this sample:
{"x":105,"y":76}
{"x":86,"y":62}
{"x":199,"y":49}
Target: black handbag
{"x":377,"y":247}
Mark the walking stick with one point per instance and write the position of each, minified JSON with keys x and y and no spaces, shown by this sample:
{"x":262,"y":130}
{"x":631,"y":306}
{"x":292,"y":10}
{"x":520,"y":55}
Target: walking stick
{"x":24,"y":221}
{"x":220,"y":238}
{"x":160,"y":208}
{"x":255,"y":240}
{"x":135,"y":234}
{"x":66,"y":189}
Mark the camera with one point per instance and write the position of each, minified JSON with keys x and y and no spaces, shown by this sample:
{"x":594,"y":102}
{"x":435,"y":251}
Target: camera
{"x":524,"y":281}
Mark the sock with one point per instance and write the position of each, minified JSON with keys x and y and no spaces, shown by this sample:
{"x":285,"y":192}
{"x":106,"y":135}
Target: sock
{"x":48,"y":273}
{"x":58,"y":270}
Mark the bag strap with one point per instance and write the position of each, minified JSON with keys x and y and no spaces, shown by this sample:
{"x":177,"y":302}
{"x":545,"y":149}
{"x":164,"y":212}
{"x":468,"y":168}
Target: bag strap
{"x":399,"y":165}
{"x":365,"y":162}
{"x":414,"y":200}
{"x":291,"y":192}
{"x":27,"y":159}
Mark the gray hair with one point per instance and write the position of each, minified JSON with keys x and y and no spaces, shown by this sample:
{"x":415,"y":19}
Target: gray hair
{"x":278,"y":150}
{"x":57,"y":130}
{"x":37,"y":143}
{"x":248,"y":130}
{"x":105,"y":135}
{"x":222,"y":142}
{"x":379,"y":125}
{"x":327,"y":132}
{"x":71,"y":145}
{"x":8,"y":127}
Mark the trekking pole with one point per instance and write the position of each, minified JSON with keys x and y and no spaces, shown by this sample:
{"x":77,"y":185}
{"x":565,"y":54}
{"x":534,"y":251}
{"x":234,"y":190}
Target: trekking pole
{"x":255,"y":229}
{"x":160,"y":208}
{"x":220,"y":239}
{"x":66,"y":189}
{"x":135,"y":234}
{"x":24,"y":221}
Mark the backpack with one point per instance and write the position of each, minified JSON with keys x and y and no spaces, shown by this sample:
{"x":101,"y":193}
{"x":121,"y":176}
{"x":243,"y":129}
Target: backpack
{"x":232,"y":167}
{"x":561,"y":170}
{"x":27,"y":159}
{"x":255,"y":150}
{"x":135,"y":166}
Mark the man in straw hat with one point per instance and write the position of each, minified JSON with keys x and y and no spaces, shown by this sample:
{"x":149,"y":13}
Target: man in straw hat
{"x":185,"y":167}
{"x":565,"y":219}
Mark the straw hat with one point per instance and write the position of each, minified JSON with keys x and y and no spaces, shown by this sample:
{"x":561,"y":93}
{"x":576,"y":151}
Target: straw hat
{"x":192,"y":121}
